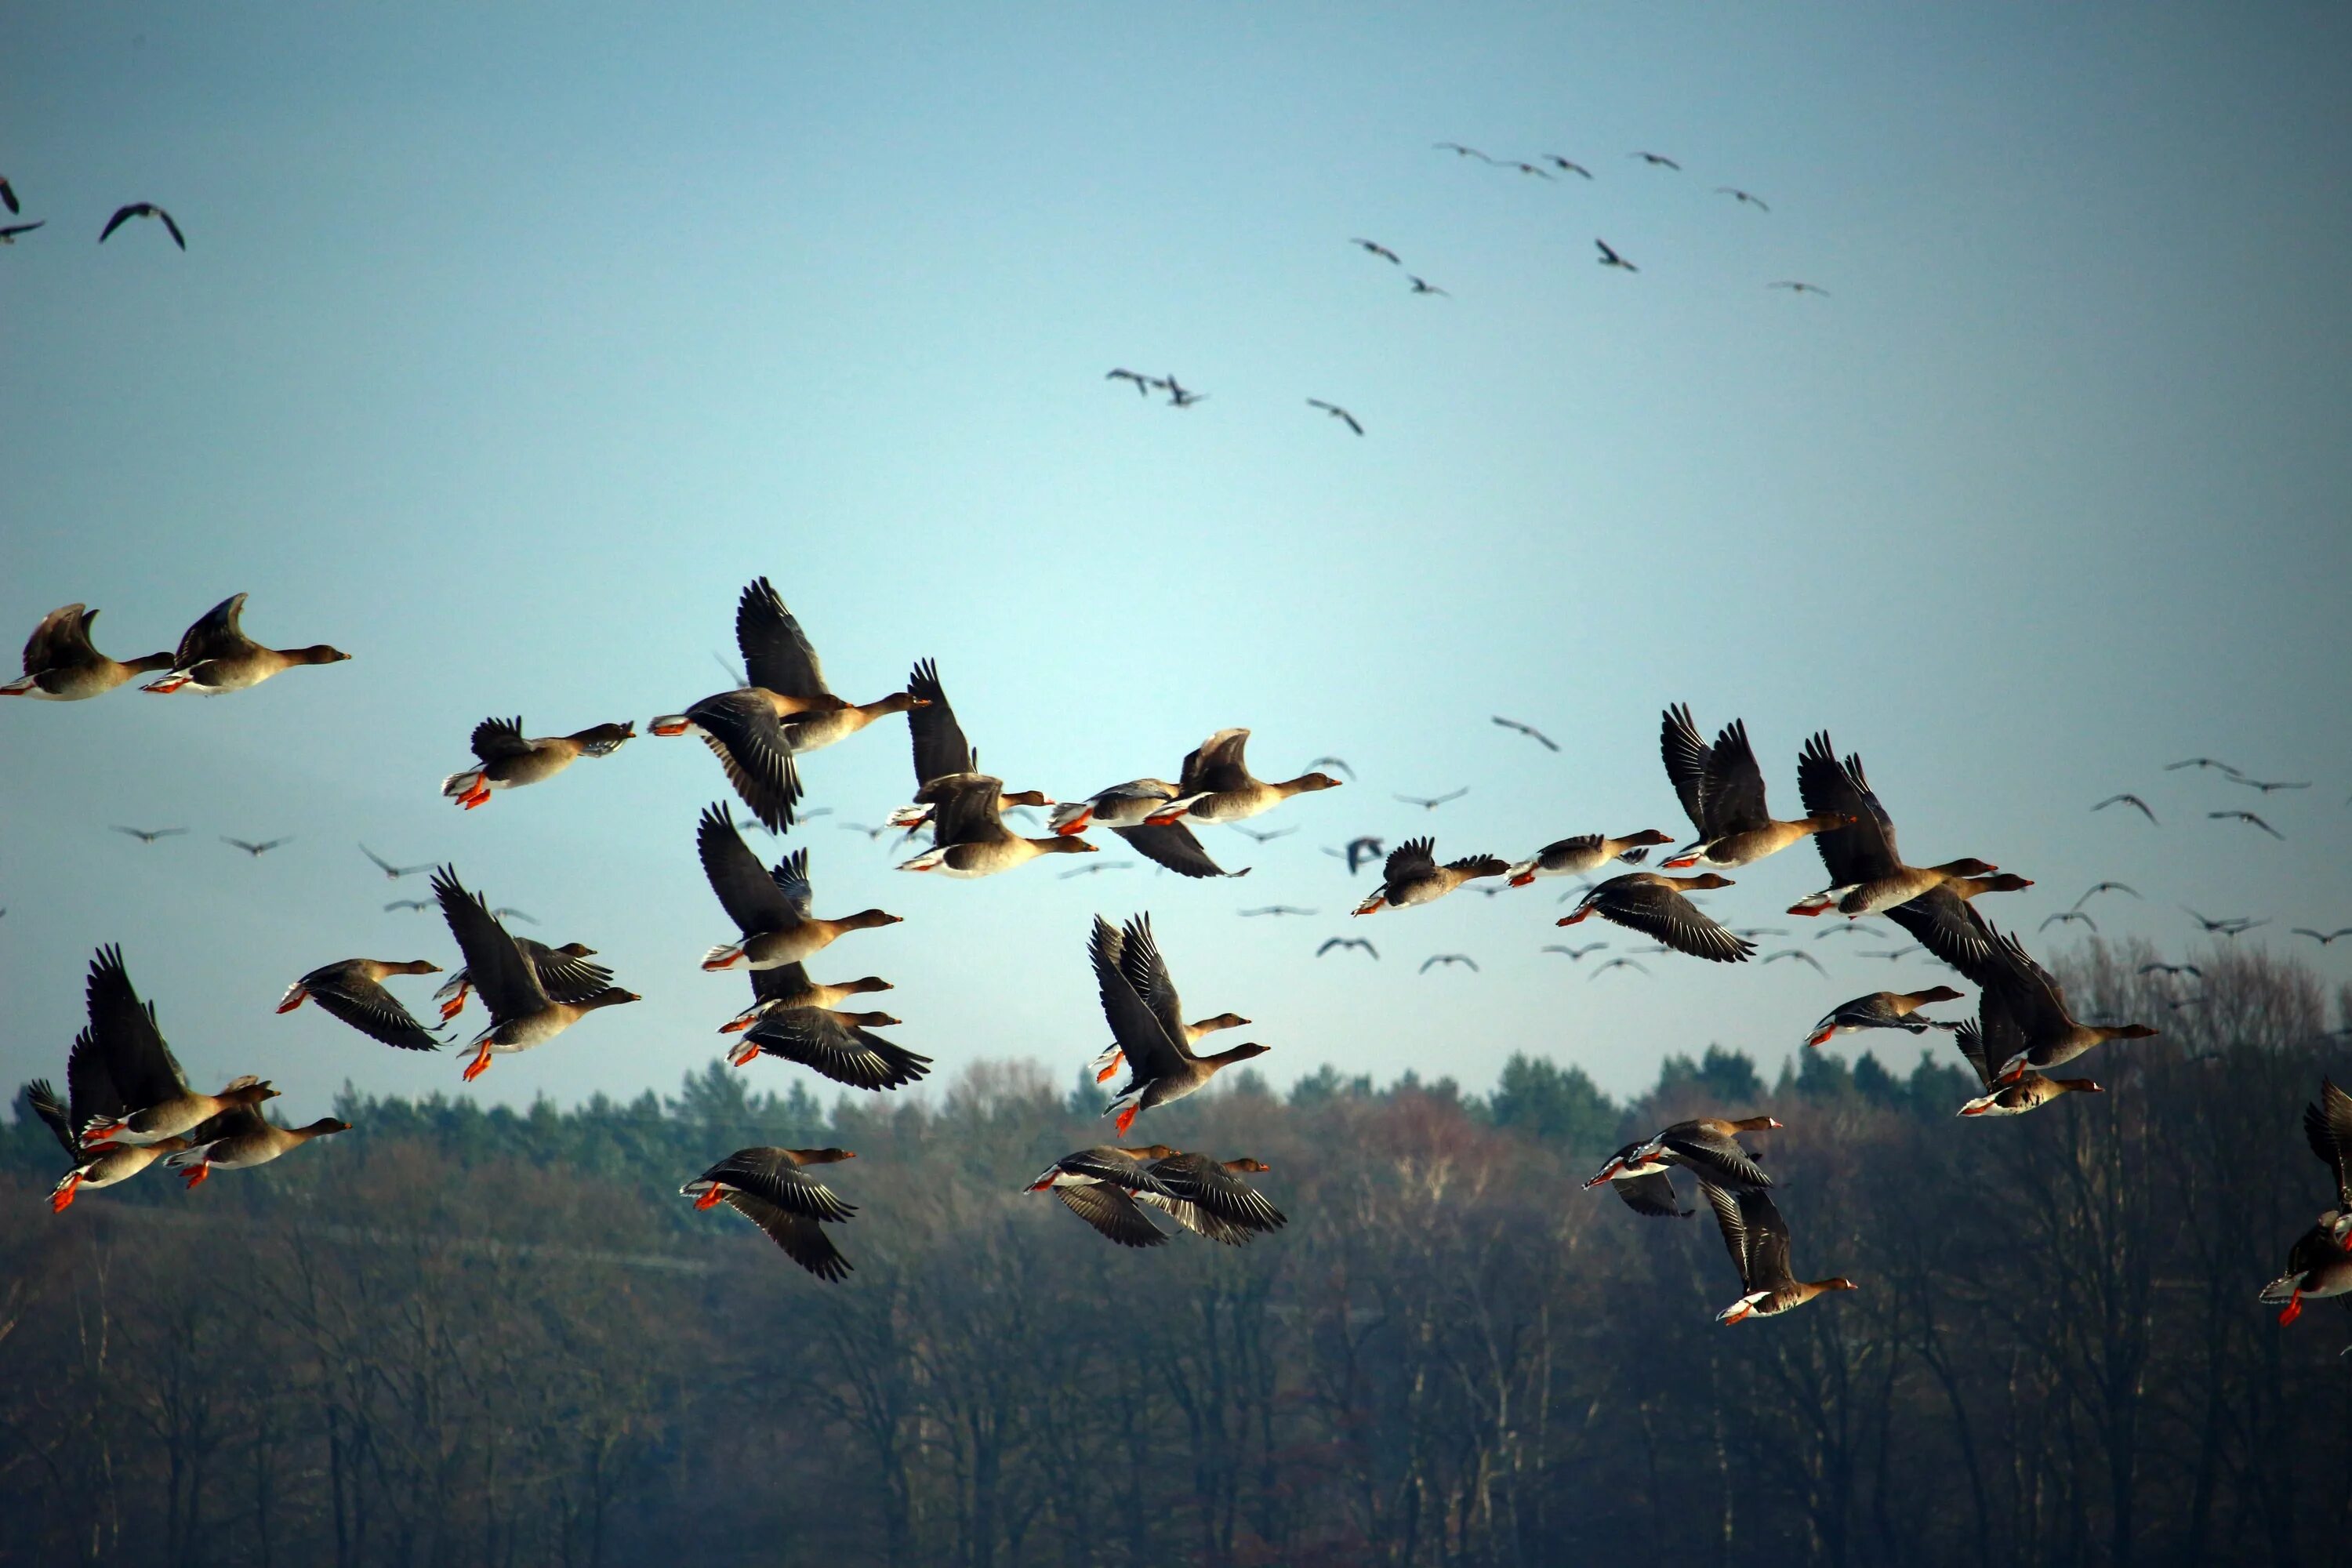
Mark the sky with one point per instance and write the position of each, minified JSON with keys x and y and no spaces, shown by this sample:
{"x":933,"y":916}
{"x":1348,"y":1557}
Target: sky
{"x":511,"y":342}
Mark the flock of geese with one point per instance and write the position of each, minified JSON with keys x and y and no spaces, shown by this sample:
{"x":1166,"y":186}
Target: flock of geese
{"x":128,"y":1104}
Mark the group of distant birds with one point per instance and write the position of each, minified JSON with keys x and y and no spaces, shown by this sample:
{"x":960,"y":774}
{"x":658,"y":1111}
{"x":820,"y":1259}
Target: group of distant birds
{"x":123,"y":215}
{"x":1181,"y":397}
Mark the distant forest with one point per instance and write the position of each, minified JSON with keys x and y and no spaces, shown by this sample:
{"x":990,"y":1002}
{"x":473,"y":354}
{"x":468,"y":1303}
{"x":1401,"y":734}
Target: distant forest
{"x":465,"y":1337}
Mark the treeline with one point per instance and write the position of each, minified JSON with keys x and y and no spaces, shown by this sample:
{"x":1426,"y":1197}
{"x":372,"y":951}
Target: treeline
{"x":459,"y":1336}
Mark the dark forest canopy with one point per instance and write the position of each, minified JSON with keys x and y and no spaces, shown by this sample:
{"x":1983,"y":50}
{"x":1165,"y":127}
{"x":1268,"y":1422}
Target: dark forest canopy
{"x":461,"y":1336}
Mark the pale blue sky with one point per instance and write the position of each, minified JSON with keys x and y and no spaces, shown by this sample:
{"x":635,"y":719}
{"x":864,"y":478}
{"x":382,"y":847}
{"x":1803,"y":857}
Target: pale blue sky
{"x":511,"y":342}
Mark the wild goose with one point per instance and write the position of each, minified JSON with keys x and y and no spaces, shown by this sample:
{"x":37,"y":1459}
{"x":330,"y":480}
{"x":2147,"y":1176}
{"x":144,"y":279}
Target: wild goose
{"x":242,"y":1138}
{"x":351,"y":989}
{"x":1883,"y":1010}
{"x":153,"y":1101}
{"x":61,"y":664}
{"x":1866,"y":873}
{"x":1654,"y":904}
{"x":1758,"y":1239}
{"x":968,"y":838}
{"x":771,"y":908}
{"x":1708,"y":1146}
{"x":2027,"y":1091}
{"x":840,"y":1046}
{"x":507,"y":761}
{"x":562,"y":971}
{"x":1585,"y":853}
{"x":215,"y":655}
{"x":1722,"y":791}
{"x":1147,"y":973}
{"x":1209,"y":1199}
{"x":1101,"y":1184}
{"x":94,"y":1098}
{"x":1162,"y":1068}
{"x":523,"y":1014}
{"x":2320,"y":1261}
{"x":2023,"y":1014}
{"x":941,"y":750}
{"x":1217,"y":784}
{"x":770,"y":1188}
{"x":1412,"y":876}
{"x":787,"y":683}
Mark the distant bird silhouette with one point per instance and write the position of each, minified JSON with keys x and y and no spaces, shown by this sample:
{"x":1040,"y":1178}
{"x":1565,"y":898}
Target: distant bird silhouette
{"x":1854,"y":928}
{"x":2229,"y":926}
{"x":1332,"y":943}
{"x":2171,"y":969}
{"x":1437,"y":958}
{"x":1530,"y":730}
{"x":1276,"y":910}
{"x":1734,"y":191}
{"x":2267,"y":785}
{"x":410,"y":904}
{"x":1609,"y":257}
{"x":1801,"y":955}
{"x":1619,"y":963}
{"x":1794,"y":287}
{"x":1333,"y":763}
{"x":259,"y":850}
{"x":1181,"y":397}
{"x":1262,"y":837}
{"x":2177,"y":1003}
{"x":2203,"y":763}
{"x":1568,"y":165}
{"x":2247,"y":816}
{"x":141,"y":209}
{"x":1574,"y":954}
{"x":2321,"y":938}
{"x":1752,"y":933}
{"x":1382,"y":251}
{"x":1094,"y":868}
{"x":1336,"y":412}
{"x":1143,"y":384}
{"x":2069,"y":917}
{"x":2131,"y":800}
{"x":1423,"y":286}
{"x":8,"y":196}
{"x":1428,"y":803}
{"x":8,"y":234}
{"x":1540,"y":173}
{"x":149,"y":834}
{"x":516,"y":913}
{"x":1657,"y":161}
{"x":1891,"y":954}
{"x":1358,"y":851}
{"x":392,"y":873}
{"x":870,"y":832}
{"x":1460,"y":151}
{"x":2106,"y":888}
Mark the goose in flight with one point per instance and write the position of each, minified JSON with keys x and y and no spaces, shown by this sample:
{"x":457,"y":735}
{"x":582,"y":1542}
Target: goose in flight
{"x":1867,"y":873}
{"x":1143,"y":384}
{"x":1376,"y":248}
{"x":2230,"y":925}
{"x":353,"y":989}
{"x":1585,"y":852}
{"x":1801,"y":955}
{"x":1758,"y":1239}
{"x":62,"y":665}
{"x":1423,"y":286}
{"x":1609,"y":257}
{"x":392,"y":873}
{"x":1333,"y":762}
{"x":1657,"y":161}
{"x":1435,"y":959}
{"x":2099,"y":887}
{"x":2069,"y":917}
{"x":1620,"y":963}
{"x":2247,"y":816}
{"x":2321,"y":938}
{"x":2268,"y":785}
{"x":1178,"y":395}
{"x":149,"y":834}
{"x":2134,"y":802}
{"x":1882,"y":1010}
{"x":2029,"y":1091}
{"x":143,"y":209}
{"x":1342,"y":942}
{"x":523,"y":1014}
{"x":1566,"y":165}
{"x":1431,"y":803}
{"x":1412,"y":876}
{"x":1537,"y":170}
{"x":2215,"y":763}
{"x":505,"y":760}
{"x":1276,"y":910}
{"x":259,"y":850}
{"x":1336,"y":412}
{"x":1573,"y":954}
{"x":8,"y":234}
{"x":1459,"y":151}
{"x":1721,"y":788}
{"x":1254,"y":835}
{"x":1216,"y":785}
{"x":1358,"y":852}
{"x":1530,"y":731}
{"x":1794,"y":287}
{"x":1139,"y":1000}
{"x":1743,"y":196}
{"x":408,"y":904}
{"x":1653,"y":905}
{"x":215,"y":656}
{"x":767,"y":1187}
